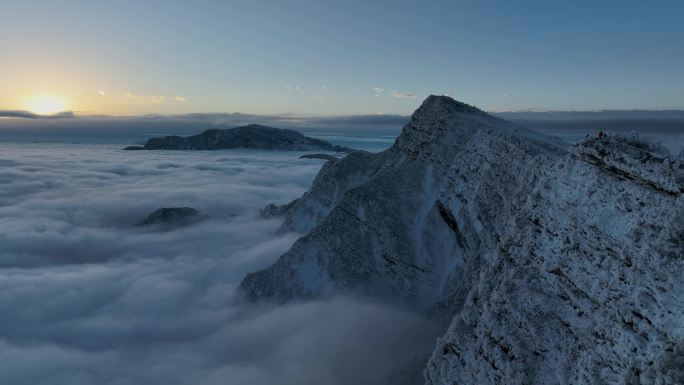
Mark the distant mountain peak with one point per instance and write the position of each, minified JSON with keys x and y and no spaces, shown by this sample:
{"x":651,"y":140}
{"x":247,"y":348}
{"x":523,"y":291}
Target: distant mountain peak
{"x":449,"y":104}
{"x":253,"y":136}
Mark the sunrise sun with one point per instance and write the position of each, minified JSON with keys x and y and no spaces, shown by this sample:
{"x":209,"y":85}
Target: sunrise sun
{"x":45,"y":104}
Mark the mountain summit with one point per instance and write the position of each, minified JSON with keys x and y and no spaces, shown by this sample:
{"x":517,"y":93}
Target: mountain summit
{"x":558,"y":264}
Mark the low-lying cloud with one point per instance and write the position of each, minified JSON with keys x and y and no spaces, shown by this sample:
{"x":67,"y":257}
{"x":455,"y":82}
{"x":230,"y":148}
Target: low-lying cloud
{"x":88,"y":299}
{"x":136,"y":130}
{"x":31,"y":115}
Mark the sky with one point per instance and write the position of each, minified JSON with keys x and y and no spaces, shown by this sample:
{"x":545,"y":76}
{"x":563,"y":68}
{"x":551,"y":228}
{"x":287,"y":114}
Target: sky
{"x":338,"y":58}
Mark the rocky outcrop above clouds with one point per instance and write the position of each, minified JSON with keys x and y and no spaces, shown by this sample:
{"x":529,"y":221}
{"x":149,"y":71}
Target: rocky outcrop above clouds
{"x":171,"y":217}
{"x":252,"y":136}
{"x":558,"y":264}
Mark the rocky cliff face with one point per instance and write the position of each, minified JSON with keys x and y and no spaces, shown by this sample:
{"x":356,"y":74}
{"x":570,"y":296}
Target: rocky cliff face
{"x":251,"y":136}
{"x":559,"y":265}
{"x":585,"y":288}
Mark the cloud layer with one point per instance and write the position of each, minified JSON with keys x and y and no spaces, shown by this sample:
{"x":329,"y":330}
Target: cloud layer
{"x":88,"y":299}
{"x":31,"y":115}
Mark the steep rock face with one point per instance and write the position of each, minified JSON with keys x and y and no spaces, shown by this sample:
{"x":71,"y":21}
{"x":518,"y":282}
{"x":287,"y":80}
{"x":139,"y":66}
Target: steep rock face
{"x":560,"y":265}
{"x":587,"y":288}
{"x":634,"y":161}
{"x":381,"y":223}
{"x":251,"y":136}
{"x":332,"y":182}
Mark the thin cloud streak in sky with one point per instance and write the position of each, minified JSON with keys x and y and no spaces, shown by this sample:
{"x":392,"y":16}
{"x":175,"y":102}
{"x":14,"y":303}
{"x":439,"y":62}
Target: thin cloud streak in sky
{"x":397,"y":94}
{"x":147,"y":99}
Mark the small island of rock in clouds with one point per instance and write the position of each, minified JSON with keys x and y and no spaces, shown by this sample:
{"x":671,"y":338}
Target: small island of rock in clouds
{"x":341,"y":193}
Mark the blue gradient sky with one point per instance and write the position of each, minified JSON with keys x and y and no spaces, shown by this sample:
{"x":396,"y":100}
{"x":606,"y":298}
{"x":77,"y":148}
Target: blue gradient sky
{"x":324,"y":57}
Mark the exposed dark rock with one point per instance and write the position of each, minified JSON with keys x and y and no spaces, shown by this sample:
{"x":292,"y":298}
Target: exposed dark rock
{"x":171,"y":217}
{"x":634,"y":160}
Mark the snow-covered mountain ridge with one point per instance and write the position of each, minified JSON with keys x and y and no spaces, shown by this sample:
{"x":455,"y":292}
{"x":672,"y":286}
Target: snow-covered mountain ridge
{"x":559,"y":264}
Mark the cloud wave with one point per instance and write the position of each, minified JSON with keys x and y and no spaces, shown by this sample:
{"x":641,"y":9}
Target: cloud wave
{"x":86,"y":298}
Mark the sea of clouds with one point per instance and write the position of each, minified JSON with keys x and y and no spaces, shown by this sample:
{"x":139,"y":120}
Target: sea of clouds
{"x":86,"y":298}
